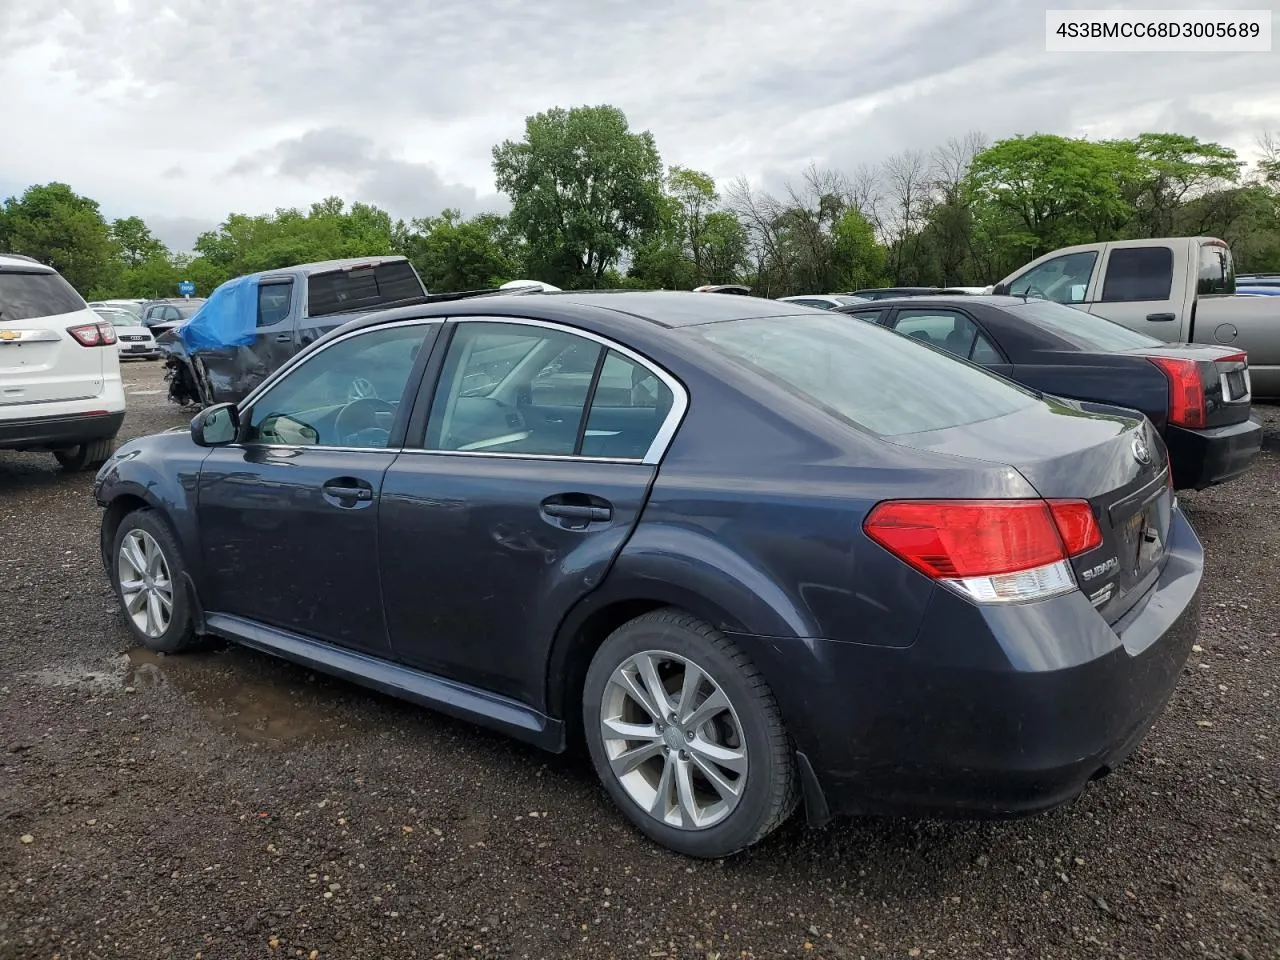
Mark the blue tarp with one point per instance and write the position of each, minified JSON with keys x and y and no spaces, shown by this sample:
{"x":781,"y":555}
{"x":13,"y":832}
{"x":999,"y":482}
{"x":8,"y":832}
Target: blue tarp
{"x":228,"y":318}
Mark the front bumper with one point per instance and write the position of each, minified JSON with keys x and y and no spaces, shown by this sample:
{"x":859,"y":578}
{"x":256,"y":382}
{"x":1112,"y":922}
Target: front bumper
{"x":56,"y":433}
{"x":1202,"y":458}
{"x":993,"y":711}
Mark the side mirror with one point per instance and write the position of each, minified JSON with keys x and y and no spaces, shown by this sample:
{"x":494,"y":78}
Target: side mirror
{"x":1000,"y":290}
{"x":216,"y":426}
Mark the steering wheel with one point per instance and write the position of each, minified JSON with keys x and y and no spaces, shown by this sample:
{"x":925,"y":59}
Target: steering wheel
{"x":361,"y":389}
{"x":356,"y":424}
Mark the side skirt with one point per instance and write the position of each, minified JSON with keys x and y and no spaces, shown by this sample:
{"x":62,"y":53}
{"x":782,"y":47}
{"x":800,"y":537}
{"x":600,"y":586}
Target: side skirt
{"x":436,"y":693}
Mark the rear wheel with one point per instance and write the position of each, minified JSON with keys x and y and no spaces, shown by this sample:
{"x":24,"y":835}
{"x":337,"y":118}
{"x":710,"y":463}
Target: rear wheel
{"x":147,"y":572}
{"x":85,"y":456}
{"x":686,"y":736}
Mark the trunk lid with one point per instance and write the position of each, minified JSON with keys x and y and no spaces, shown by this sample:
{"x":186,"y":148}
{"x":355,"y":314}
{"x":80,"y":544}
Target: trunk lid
{"x":1077,"y":451}
{"x":1223,"y":373}
{"x":41,"y":363}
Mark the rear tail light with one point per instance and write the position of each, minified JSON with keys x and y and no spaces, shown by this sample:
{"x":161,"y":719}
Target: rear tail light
{"x":93,"y":334}
{"x":1240,"y":357}
{"x":1186,"y":391}
{"x":991,"y":551}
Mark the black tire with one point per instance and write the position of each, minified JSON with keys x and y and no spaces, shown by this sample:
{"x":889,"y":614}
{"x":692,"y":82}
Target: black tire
{"x":769,"y":793}
{"x":180,"y":634}
{"x":85,"y":456}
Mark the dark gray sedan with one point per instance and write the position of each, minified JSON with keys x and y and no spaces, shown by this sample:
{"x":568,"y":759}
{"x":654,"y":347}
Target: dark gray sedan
{"x":734,"y":545}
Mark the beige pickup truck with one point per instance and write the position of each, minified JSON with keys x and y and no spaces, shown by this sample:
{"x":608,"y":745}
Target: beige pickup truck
{"x":1178,"y":289}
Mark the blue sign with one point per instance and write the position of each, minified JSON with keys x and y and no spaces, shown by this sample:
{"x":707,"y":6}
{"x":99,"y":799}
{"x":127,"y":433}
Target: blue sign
{"x":186,"y":288}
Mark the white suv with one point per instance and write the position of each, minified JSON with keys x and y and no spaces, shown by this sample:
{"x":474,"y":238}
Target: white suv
{"x":60,"y":387}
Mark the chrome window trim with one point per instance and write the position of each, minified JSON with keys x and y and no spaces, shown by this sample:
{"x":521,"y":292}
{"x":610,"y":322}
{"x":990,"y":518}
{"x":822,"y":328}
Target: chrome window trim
{"x":653,"y":456}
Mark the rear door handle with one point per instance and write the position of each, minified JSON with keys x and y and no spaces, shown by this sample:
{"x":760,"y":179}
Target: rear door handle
{"x":574,"y":511}
{"x":348,"y":489}
{"x":284,"y":338}
{"x":1162,"y":317}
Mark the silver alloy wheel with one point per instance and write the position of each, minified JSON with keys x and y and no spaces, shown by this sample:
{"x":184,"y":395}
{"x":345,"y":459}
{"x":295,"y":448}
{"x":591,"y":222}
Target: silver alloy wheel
{"x":145,"y":584}
{"x":673,"y":740}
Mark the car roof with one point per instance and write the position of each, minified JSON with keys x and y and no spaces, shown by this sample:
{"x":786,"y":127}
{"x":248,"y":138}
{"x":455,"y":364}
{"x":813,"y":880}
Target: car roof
{"x":615,"y":309}
{"x":942,"y":300}
{"x":24,"y":263}
{"x":327,"y":266}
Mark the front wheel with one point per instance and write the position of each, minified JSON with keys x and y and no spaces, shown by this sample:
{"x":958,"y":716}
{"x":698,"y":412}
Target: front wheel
{"x":147,"y":571}
{"x":686,"y":736}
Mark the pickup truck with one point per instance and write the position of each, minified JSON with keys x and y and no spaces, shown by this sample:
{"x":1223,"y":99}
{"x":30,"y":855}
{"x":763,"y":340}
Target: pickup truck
{"x":1180,"y":290}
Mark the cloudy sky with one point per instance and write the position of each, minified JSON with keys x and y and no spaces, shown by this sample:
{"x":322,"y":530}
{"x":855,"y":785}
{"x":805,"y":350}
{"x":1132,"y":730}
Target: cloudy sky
{"x":181,"y":111}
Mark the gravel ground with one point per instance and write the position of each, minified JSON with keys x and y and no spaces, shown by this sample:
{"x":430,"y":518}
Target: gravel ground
{"x":225,"y":805}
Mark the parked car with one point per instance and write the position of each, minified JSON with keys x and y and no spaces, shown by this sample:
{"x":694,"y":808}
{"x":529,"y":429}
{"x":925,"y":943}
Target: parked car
{"x":748,"y":559}
{"x":1258,"y":280}
{"x":60,"y":387}
{"x":885,"y":293}
{"x":160,"y":316}
{"x":255,"y":323}
{"x":133,"y":340}
{"x":1174,"y":289}
{"x":1196,"y":395}
{"x":133,"y":306}
{"x":826,"y":301}
{"x":733,"y":288}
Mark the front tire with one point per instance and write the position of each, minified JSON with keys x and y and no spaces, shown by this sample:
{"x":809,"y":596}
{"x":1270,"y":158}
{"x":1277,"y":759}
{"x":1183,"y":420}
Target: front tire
{"x":148,"y":575}
{"x":686,"y":736}
{"x":85,"y":456}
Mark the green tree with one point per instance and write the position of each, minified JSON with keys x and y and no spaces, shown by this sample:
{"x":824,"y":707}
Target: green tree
{"x":452,"y":253}
{"x":858,"y":258}
{"x":1172,"y":170}
{"x":584,"y":191}
{"x":1056,"y":190}
{"x":135,"y":241}
{"x":57,"y":226}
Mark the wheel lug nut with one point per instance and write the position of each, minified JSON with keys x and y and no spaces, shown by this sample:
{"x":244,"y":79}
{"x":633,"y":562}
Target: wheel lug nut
{"x":658,"y":727}
{"x":684,"y":754}
{"x":689,"y":736}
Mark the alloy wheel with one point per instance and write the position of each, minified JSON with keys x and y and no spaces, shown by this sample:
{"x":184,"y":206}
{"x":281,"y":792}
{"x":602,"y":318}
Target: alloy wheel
{"x":146,"y":586}
{"x":673,"y":740}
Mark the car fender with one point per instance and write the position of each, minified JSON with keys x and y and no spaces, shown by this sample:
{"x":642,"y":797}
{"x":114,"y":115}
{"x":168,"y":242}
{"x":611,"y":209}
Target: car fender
{"x":670,"y":565}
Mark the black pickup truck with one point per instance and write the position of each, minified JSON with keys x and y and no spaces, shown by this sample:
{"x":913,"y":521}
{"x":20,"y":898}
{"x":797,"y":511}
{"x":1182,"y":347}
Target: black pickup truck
{"x":252,"y":325}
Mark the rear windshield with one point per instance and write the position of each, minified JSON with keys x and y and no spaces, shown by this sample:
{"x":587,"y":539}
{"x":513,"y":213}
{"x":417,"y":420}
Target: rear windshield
{"x":188,"y":308}
{"x":361,"y":289}
{"x":865,"y":374}
{"x":1083,"y":330}
{"x":28,"y":296}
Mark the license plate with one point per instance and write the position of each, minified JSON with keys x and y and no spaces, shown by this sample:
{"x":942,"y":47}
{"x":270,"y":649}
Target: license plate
{"x":1236,"y":385}
{"x":1142,"y":533}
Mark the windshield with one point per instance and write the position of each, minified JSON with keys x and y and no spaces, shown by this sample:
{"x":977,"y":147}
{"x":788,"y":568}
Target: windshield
{"x":865,"y":374}
{"x":1081,"y":329}
{"x":188,"y":307}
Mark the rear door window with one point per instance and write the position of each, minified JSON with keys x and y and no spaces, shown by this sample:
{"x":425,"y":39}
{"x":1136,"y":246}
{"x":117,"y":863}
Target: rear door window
{"x":31,"y":295}
{"x":1136,"y":274}
{"x":947,"y":330}
{"x":864,"y":374}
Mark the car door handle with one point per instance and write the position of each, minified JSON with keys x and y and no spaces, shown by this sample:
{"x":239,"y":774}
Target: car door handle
{"x":575,"y":511}
{"x":348,"y":489}
{"x":1162,"y":317}
{"x":284,"y":338}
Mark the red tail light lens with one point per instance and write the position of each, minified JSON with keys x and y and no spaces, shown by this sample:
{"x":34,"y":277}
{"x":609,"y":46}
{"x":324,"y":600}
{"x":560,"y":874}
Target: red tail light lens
{"x":1240,"y":357}
{"x":1186,"y":391}
{"x":1077,"y":525}
{"x":93,"y":334}
{"x":989,"y":550}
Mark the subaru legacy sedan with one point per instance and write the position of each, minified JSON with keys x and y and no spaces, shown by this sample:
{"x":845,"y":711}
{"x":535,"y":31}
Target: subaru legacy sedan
{"x":730,"y":543}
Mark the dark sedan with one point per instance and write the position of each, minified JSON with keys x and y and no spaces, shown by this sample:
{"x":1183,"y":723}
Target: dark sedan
{"x":728,"y":542}
{"x":1196,"y":395}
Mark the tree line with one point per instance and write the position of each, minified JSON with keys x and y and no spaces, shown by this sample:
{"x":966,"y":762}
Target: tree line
{"x":593,"y":205}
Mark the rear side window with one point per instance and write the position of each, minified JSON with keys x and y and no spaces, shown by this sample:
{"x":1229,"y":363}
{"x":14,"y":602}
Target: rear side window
{"x":864,"y":374}
{"x":1217,"y":272}
{"x":1137,"y":274}
{"x":363,"y":288}
{"x":29,"y":296}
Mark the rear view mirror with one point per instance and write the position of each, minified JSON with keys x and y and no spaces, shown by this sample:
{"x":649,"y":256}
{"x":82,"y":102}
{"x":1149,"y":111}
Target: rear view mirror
{"x":1000,"y":290}
{"x":216,"y":426}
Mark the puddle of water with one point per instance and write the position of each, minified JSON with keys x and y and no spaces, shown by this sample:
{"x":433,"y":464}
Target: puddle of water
{"x":259,"y":708}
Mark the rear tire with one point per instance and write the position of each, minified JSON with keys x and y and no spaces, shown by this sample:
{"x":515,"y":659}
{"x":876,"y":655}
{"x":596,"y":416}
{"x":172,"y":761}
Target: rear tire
{"x":716,"y":773}
{"x":85,"y":456}
{"x":148,"y":575}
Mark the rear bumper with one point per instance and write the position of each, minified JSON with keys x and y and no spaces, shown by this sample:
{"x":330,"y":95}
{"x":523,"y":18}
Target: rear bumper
{"x":993,"y":711}
{"x":53,"y":433}
{"x":1202,"y":458}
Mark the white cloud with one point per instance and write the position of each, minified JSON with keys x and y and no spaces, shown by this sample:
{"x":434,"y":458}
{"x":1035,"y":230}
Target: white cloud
{"x":184,"y":112}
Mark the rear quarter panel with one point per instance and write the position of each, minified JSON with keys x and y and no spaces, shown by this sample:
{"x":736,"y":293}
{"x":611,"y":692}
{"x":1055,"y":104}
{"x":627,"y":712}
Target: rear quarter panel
{"x":1251,"y":324}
